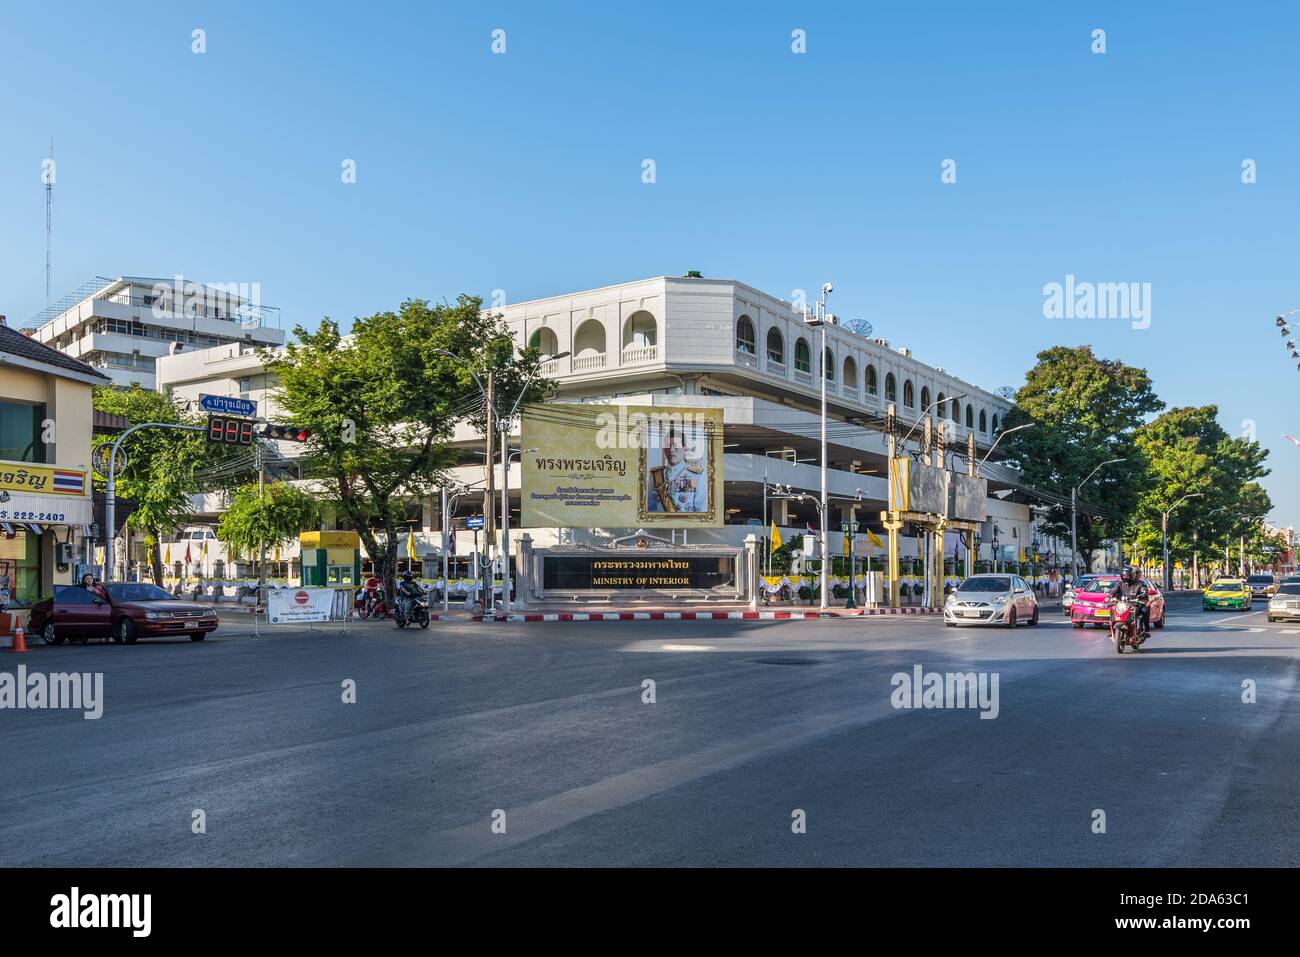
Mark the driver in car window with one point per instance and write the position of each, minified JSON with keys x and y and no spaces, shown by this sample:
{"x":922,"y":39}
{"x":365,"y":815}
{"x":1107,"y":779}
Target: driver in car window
{"x":88,"y":582}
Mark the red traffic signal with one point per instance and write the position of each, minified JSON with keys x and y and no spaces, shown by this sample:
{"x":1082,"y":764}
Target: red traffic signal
{"x":230,"y":430}
{"x":286,"y":433}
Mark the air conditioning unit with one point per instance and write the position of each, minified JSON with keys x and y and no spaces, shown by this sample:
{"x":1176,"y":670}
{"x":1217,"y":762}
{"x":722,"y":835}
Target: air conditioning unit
{"x":884,"y":343}
{"x":905,"y":352}
{"x":832,"y":319}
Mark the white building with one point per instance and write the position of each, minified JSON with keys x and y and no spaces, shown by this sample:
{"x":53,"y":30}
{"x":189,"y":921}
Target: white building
{"x":712,"y":342}
{"x":123,"y":326}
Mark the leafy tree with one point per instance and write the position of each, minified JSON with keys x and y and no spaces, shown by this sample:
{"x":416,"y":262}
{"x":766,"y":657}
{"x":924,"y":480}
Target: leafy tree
{"x":164,"y":466}
{"x":1187,"y":451}
{"x":382,"y":403}
{"x":1084,"y":410}
{"x":275,"y":515}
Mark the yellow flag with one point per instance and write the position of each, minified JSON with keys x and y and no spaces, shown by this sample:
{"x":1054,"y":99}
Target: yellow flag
{"x":167,"y":553}
{"x":776,"y":537}
{"x":1022,"y":555}
{"x":874,"y":539}
{"x":410,"y":544}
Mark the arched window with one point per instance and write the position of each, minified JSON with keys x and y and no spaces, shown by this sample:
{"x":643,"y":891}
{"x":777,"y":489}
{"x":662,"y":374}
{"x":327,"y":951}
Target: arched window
{"x":970,"y":417}
{"x":640,"y":330}
{"x":745,"y":337}
{"x":995,"y":425}
{"x":589,"y":340}
{"x":938,"y":407}
{"x":850,"y":373}
{"x":802,"y":356}
{"x":891,"y":388}
{"x":828,"y":364}
{"x":925,"y":397}
{"x":544,"y":341}
{"x":871,"y":380}
{"x":909,"y":394}
{"x":775,"y":348}
{"x":955,"y":412}
{"x":984,"y":421}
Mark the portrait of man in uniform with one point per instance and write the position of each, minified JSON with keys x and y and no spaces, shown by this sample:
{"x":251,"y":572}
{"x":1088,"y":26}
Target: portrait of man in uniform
{"x":677,"y":458}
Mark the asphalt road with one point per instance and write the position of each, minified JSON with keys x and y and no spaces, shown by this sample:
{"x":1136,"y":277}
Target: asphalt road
{"x":752,"y":722}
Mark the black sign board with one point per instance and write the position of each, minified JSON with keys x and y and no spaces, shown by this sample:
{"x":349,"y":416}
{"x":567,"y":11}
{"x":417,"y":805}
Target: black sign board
{"x":597,"y":572}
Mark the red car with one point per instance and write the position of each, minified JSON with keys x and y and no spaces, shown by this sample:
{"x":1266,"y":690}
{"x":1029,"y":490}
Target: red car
{"x":1089,"y":604}
{"x":124,"y":611}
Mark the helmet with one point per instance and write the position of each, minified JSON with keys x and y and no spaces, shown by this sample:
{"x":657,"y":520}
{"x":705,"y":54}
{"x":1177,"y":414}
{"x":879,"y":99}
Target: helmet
{"x":1129,"y":573}
{"x":407,"y":576}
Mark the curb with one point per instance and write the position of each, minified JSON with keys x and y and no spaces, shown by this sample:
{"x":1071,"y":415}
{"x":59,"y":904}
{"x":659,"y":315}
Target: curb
{"x":703,"y":615}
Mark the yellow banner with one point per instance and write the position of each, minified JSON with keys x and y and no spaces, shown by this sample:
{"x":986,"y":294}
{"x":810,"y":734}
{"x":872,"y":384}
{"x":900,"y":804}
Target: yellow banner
{"x":25,"y":477}
{"x":621,"y":466}
{"x":898,"y":484}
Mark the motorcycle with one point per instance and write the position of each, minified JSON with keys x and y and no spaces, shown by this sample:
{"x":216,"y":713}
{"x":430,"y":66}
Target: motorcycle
{"x":409,"y":611}
{"x":1125,"y":625}
{"x":370,"y":604}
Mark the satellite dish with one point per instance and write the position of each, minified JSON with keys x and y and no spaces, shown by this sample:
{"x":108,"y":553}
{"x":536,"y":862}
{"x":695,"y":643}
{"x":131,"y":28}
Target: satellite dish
{"x":1006,"y":392}
{"x":859,"y":326}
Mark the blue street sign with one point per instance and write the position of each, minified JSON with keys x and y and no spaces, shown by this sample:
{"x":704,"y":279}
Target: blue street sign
{"x":474,"y":521}
{"x":228,"y":405}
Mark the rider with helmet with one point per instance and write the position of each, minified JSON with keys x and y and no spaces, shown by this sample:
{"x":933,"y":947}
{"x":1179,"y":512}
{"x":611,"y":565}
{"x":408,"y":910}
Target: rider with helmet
{"x":408,"y":592}
{"x":1129,"y":587}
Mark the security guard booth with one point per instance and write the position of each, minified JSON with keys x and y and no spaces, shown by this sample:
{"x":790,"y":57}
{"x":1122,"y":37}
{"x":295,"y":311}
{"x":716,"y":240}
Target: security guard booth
{"x":330,"y":558}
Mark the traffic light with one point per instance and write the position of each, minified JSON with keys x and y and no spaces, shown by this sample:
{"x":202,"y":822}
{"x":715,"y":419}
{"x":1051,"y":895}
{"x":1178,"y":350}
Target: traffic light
{"x":286,"y":433}
{"x":230,"y":430}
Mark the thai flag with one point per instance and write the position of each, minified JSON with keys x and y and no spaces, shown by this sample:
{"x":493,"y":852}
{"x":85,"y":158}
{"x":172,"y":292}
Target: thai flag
{"x":69,"y":483}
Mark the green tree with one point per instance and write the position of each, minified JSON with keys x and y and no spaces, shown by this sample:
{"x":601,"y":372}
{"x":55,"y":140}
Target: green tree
{"x":271,"y":516}
{"x":382,"y":403}
{"x":164,"y":466}
{"x":1186,"y":451}
{"x":1084,"y":411}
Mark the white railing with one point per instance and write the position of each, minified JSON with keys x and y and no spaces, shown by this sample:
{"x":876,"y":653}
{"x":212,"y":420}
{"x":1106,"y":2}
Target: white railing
{"x":804,"y":377}
{"x":588,"y":363}
{"x":550,"y":367}
{"x":773,"y":366}
{"x":634,"y":355}
{"x":851,"y":392}
{"x":746,"y":358}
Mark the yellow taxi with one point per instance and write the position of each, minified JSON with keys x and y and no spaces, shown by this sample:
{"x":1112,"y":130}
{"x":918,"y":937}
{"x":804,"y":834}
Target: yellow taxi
{"x":1227,"y":593}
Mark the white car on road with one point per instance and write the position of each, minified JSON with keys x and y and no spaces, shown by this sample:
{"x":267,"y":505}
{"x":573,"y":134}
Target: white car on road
{"x":1005,"y":600}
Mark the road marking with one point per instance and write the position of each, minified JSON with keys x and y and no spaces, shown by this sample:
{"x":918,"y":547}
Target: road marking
{"x":688,"y":647}
{"x":1237,"y":617}
{"x":1288,"y":631}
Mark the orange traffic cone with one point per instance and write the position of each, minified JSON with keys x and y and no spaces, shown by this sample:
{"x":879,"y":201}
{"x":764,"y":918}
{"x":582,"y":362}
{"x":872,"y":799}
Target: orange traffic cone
{"x":20,"y":640}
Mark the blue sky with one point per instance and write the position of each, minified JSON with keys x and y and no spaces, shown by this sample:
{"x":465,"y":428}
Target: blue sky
{"x":522,"y":171}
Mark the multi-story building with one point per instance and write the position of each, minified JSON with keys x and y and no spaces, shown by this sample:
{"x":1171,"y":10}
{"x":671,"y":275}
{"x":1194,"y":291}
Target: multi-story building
{"x":122,"y":326}
{"x":715,"y":343}
{"x":45,"y":489}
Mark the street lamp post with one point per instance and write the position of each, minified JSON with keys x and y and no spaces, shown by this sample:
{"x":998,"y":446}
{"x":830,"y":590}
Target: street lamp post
{"x":819,"y":319}
{"x":1074,"y":517}
{"x":1164,"y":536}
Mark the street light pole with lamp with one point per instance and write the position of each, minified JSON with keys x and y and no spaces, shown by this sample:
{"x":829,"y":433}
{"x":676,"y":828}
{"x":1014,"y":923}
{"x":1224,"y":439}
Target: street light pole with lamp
{"x":1164,"y":537}
{"x":1074,"y":517}
{"x":820,"y":319}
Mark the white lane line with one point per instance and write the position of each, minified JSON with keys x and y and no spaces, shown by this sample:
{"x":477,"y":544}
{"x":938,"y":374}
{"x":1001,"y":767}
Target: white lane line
{"x":688,"y":647}
{"x":1289,"y":631}
{"x":1237,"y":617}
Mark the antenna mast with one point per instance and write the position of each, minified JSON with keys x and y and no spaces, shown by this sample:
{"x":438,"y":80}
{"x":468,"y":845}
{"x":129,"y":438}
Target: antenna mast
{"x":49,"y":218}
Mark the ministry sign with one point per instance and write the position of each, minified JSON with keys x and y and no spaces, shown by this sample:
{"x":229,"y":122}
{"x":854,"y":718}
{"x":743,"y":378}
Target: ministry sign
{"x":622,"y":466}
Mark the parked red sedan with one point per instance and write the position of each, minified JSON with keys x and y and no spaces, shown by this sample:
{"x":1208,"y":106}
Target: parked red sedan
{"x":125,"y":611}
{"x":1090,"y":605}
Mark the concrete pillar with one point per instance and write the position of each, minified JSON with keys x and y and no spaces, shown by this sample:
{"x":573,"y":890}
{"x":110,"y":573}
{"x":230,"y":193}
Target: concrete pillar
{"x":780,"y":511}
{"x":524,"y":571}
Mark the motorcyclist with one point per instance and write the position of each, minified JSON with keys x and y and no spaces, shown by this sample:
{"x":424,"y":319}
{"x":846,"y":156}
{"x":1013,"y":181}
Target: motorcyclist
{"x":408,"y":593}
{"x":1130,"y":588}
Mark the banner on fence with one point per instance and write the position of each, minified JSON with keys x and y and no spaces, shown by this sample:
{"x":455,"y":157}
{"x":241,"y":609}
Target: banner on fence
{"x":287,"y":606}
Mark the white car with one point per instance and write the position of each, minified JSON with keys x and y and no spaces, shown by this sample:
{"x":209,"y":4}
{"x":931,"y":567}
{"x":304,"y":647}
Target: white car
{"x":1005,"y":600}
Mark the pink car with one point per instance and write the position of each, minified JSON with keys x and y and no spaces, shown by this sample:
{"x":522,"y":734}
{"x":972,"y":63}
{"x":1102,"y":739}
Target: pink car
{"x":1090,"y":605}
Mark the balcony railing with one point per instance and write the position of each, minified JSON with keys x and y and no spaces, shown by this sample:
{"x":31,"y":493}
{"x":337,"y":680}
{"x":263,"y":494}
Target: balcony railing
{"x":551,"y":367}
{"x":775,"y":366}
{"x":746,"y":358}
{"x":804,"y":377}
{"x":635,"y":355}
{"x":851,"y":392}
{"x":589,"y":363}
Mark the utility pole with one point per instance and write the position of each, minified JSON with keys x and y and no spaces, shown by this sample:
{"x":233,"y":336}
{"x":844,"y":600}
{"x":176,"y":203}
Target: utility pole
{"x":442,"y":520}
{"x":489,"y":522}
{"x":259,"y":454}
